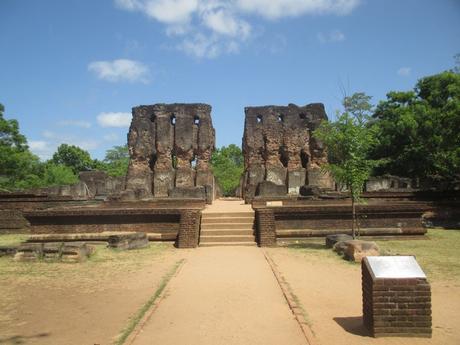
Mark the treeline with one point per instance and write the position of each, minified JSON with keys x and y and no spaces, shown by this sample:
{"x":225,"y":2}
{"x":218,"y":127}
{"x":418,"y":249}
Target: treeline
{"x":21,"y":169}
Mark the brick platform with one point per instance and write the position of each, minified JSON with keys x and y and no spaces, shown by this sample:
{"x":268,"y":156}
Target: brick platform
{"x":394,"y":305}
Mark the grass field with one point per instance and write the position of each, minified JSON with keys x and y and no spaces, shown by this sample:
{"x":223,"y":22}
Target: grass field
{"x":104,"y":262}
{"x":438,"y":253}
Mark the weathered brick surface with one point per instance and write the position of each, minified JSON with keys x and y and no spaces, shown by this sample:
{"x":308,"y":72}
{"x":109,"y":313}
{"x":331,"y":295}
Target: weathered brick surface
{"x":189,"y":229}
{"x":396,"y":307}
{"x":265,"y":228}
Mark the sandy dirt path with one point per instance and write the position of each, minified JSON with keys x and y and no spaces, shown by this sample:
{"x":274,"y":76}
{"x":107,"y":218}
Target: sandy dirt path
{"x":330,"y":292}
{"x":223,"y":295}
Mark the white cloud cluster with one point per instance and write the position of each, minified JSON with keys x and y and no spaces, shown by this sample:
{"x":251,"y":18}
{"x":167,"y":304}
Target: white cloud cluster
{"x":213,"y":27}
{"x":114,"y":119}
{"x":404,"y":71}
{"x":120,"y":70}
{"x":332,"y":36}
{"x":75,"y":123}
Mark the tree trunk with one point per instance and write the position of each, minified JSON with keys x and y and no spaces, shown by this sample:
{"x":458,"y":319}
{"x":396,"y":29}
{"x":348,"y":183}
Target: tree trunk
{"x":353,"y":217}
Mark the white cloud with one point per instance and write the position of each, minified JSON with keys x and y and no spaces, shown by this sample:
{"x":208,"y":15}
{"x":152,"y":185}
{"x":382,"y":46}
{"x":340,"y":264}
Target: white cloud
{"x":404,"y":71}
{"x":55,"y":139}
{"x":274,"y":9}
{"x":332,"y":36}
{"x":218,"y":25}
{"x":120,"y":70}
{"x":224,"y":22}
{"x":42,"y":149}
{"x":201,"y":46}
{"x":75,"y":123}
{"x":37,"y":145}
{"x":129,"y":5}
{"x":114,"y":119}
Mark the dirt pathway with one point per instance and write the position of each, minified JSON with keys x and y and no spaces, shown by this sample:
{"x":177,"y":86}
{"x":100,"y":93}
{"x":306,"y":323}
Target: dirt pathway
{"x":223,"y":296}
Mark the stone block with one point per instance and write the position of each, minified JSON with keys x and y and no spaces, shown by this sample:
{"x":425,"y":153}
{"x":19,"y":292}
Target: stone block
{"x":356,"y":250}
{"x":319,"y":178}
{"x":126,"y":241}
{"x":270,"y":189}
{"x":184,"y":177}
{"x":310,"y":191}
{"x":76,"y":252}
{"x":276,"y":174}
{"x":163,"y":182}
{"x":331,"y":240}
{"x":188,"y":193}
{"x":52,"y":250}
{"x":29,"y":252}
{"x":296,"y":179}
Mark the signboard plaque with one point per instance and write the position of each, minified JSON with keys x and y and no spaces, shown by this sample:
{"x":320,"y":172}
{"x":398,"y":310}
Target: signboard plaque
{"x":395,"y":267}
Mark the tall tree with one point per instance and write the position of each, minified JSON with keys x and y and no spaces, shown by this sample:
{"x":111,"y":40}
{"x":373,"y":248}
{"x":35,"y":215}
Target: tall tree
{"x":349,"y":141}
{"x":116,"y":161}
{"x":227,"y":166}
{"x":74,"y":157}
{"x":419,"y":131}
{"x":17,"y":163}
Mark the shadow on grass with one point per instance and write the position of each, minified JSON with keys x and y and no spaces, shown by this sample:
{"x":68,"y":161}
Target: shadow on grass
{"x":21,"y":339}
{"x":353,"y":325}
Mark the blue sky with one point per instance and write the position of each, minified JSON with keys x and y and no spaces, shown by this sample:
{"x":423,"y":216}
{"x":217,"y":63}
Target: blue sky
{"x":72,"y":70}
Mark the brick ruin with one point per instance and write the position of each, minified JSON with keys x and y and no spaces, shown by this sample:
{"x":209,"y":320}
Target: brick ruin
{"x":170,"y":147}
{"x":280,"y":154}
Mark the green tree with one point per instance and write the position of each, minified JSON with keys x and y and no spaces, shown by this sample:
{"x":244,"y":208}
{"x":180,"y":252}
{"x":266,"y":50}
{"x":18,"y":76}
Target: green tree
{"x":116,"y":161}
{"x":58,"y":175}
{"x":419,"y":131}
{"x":73,"y":157}
{"x":18,"y":166}
{"x":227,"y":166}
{"x":349,"y":141}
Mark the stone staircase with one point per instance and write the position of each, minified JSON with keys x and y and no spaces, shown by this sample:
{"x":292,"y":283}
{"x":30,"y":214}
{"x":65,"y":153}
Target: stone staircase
{"x":231,"y":228}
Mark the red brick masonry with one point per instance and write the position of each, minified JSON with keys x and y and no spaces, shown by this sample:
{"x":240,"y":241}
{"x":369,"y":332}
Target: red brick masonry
{"x":399,"y":307}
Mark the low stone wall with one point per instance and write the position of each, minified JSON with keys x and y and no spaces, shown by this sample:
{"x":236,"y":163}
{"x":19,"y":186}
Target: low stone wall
{"x":303,"y":221}
{"x":180,"y":223}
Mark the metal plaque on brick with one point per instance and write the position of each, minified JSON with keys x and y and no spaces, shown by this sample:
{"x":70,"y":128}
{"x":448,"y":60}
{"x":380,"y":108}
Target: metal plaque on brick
{"x":395,"y":267}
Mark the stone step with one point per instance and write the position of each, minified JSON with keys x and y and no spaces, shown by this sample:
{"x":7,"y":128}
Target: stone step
{"x":216,"y":244}
{"x":227,"y":214}
{"x":215,"y":226}
{"x":248,"y":220}
{"x":227,"y":238}
{"x":222,"y":232}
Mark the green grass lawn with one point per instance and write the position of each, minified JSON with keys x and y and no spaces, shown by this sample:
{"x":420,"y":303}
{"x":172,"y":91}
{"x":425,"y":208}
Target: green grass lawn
{"x":103,"y":262}
{"x":438,"y":253}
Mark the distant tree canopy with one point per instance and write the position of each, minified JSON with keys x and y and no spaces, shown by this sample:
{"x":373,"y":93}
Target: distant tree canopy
{"x":419,"y":130}
{"x":116,"y":161}
{"x":227,"y":166}
{"x":73,"y":157}
{"x":21,"y":169}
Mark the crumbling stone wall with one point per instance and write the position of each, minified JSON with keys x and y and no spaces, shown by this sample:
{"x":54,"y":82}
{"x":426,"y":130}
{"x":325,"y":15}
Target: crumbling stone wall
{"x":278,"y":147}
{"x":170,"y":146}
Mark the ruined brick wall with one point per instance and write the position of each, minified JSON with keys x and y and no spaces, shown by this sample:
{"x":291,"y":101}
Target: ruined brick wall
{"x":170,"y":146}
{"x":278,"y":147}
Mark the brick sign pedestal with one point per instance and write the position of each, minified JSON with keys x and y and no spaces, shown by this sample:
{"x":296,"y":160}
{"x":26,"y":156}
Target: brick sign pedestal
{"x":396,"y":297}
